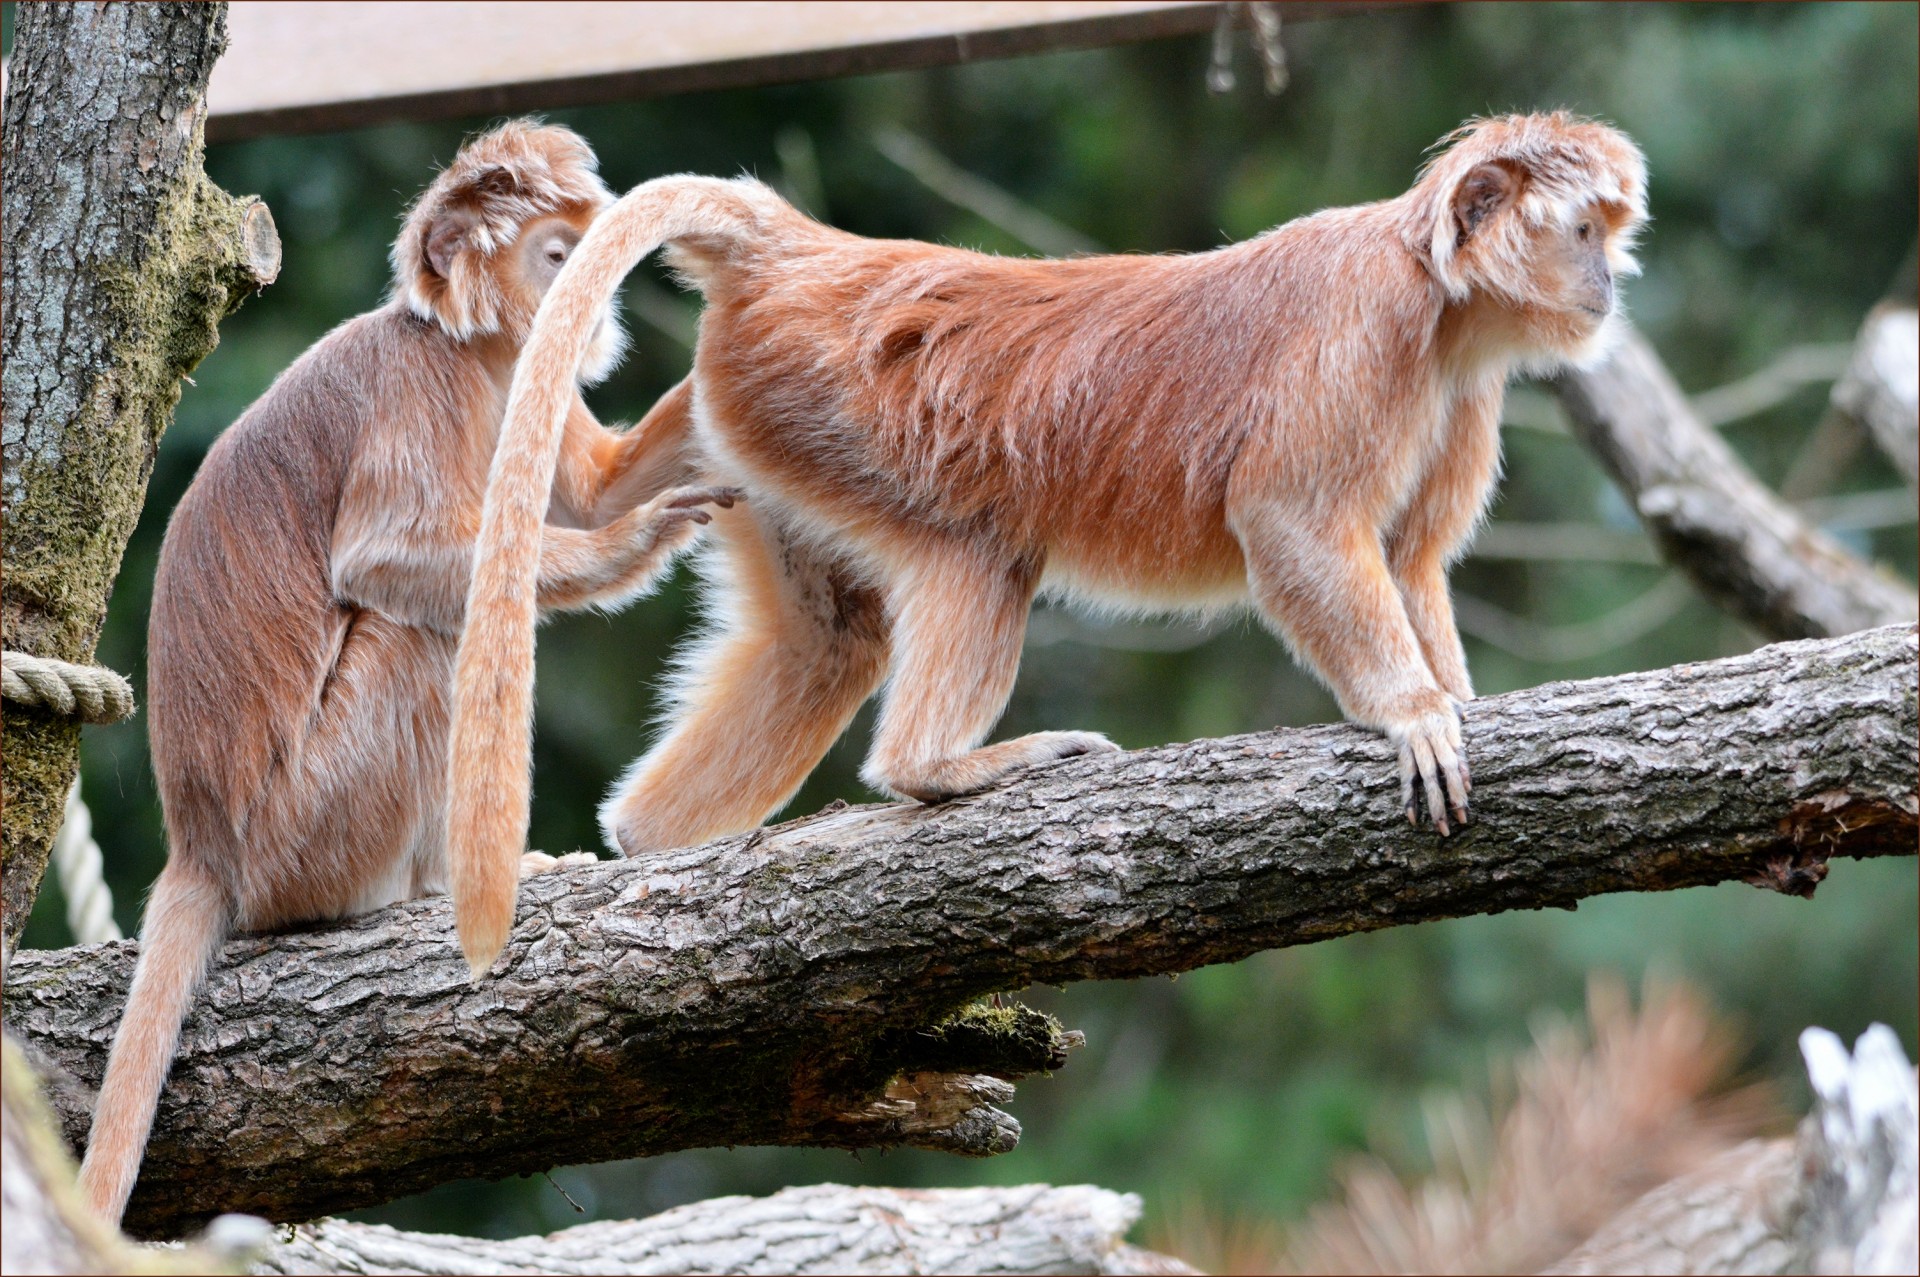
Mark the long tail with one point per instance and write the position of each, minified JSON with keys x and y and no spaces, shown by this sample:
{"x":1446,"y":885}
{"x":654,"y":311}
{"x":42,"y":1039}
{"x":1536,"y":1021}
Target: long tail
{"x":489,"y":778}
{"x":187,"y":918}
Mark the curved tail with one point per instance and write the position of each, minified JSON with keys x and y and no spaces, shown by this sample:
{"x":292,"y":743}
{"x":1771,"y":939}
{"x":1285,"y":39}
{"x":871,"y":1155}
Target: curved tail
{"x":187,"y":918}
{"x":491,"y":752}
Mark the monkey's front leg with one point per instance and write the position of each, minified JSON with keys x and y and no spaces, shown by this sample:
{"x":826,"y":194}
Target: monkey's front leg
{"x":1424,"y":592}
{"x":1327,"y":590}
{"x":601,"y":474}
{"x":1435,"y":525}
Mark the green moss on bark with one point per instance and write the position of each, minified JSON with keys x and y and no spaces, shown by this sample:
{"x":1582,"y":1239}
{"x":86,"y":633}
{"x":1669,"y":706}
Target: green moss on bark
{"x":70,"y":516}
{"x":1009,"y":1040}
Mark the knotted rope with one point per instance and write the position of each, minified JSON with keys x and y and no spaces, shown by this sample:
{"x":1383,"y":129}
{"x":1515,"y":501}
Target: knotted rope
{"x":87,"y":692}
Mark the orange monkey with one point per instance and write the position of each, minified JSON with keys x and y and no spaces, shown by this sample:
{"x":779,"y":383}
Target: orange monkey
{"x":1307,"y":421}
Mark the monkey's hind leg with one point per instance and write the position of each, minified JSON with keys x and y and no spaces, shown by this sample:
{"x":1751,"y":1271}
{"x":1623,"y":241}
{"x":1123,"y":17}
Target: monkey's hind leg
{"x":801,"y":645}
{"x":956,"y":640}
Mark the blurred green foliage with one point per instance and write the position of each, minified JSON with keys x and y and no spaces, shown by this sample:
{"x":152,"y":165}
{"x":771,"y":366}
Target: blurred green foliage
{"x":1782,"y":145}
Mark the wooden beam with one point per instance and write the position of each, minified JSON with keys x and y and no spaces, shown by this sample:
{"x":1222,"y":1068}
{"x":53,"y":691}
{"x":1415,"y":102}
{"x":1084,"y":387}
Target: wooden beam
{"x":297,"y":67}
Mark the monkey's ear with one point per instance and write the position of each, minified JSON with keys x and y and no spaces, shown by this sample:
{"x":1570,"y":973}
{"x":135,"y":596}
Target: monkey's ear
{"x":1481,"y":193}
{"x":444,"y":240}
{"x":494,"y":181}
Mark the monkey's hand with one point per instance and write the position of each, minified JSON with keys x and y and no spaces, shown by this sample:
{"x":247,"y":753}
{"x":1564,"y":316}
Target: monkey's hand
{"x":613,"y":565}
{"x":1430,"y":748}
{"x":670,"y":521}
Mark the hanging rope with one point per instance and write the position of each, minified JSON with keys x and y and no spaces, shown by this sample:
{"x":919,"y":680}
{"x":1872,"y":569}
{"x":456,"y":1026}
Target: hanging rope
{"x":90,"y":693}
{"x":77,"y":859}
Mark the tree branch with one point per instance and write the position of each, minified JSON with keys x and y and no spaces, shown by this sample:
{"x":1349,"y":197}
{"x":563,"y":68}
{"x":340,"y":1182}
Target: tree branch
{"x":1745,"y":547}
{"x":825,"y":1228}
{"x":1881,"y":387}
{"x":1838,"y":1198}
{"x":790,"y":986}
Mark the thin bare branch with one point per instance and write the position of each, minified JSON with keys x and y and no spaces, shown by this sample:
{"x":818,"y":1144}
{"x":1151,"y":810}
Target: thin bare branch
{"x":1881,"y":388}
{"x":1743,"y":546}
{"x":985,"y":200}
{"x":823,"y":1228}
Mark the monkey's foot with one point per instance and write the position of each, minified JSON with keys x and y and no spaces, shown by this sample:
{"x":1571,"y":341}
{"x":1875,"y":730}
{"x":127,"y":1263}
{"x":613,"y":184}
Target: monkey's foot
{"x":539,"y":862}
{"x":1430,"y":748}
{"x":979,"y":769}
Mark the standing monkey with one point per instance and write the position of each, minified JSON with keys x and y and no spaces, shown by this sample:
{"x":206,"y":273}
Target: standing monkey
{"x":1307,"y":421}
{"x":311,"y":591}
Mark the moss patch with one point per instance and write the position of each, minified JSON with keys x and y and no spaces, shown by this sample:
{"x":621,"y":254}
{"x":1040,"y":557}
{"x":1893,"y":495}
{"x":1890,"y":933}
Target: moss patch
{"x":1007,"y":1041}
{"x":43,"y":753}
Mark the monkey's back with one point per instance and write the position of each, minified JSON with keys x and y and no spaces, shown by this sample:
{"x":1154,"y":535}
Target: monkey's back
{"x":1090,"y":410}
{"x":240,"y":627}
{"x":245,"y":630}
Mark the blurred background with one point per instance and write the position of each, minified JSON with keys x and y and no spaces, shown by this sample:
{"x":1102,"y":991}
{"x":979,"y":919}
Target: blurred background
{"x":1782,"y":144}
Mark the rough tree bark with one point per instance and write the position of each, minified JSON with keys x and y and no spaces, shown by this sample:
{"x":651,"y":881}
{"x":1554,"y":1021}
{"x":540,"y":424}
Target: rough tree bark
{"x":49,"y":1229}
{"x":118,"y":258}
{"x":824,"y":1228}
{"x":792,"y":986}
{"x":1745,"y":548}
{"x":1839,"y":1199}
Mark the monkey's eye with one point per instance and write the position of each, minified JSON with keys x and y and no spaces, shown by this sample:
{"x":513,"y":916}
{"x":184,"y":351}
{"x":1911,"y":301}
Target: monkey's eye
{"x":1584,"y":230}
{"x":556,"y":254}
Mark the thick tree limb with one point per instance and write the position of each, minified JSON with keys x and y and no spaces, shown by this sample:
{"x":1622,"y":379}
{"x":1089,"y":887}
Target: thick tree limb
{"x":826,"y":1228}
{"x":764,"y":989}
{"x":1743,"y":546}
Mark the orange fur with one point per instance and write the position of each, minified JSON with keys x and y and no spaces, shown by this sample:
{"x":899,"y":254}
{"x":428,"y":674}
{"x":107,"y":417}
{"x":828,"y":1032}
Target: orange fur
{"x":312,"y":586}
{"x":930,"y":436}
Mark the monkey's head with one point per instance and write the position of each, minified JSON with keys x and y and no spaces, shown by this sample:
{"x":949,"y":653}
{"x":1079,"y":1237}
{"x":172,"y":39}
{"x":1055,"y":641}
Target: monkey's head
{"x":483,"y":243}
{"x":1536,"y":214}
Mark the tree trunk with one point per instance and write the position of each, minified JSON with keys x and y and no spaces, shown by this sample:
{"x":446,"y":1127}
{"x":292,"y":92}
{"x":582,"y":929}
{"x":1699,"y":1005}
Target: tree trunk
{"x":791,"y":986}
{"x":118,"y":258}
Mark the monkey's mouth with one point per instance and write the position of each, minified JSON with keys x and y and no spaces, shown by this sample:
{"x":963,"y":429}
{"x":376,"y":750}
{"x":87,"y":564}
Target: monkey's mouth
{"x":1598,"y":312}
